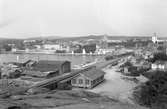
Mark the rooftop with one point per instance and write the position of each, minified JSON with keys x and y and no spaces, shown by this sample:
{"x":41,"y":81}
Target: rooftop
{"x":45,"y":65}
{"x":93,"y":73}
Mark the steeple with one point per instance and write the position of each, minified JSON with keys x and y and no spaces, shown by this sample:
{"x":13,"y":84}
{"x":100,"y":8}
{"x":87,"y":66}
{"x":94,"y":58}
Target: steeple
{"x":154,"y":38}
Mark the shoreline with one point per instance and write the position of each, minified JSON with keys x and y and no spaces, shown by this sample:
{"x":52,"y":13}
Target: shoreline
{"x":61,"y":54}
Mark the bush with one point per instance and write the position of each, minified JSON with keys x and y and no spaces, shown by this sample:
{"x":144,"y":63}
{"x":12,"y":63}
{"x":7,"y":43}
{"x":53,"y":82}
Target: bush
{"x":159,"y":56}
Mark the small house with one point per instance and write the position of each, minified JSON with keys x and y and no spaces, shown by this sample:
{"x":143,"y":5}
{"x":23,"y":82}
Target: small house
{"x":130,"y":69}
{"x":88,"y":79}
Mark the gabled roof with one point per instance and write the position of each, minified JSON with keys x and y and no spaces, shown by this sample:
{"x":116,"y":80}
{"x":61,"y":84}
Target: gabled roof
{"x":45,"y":65}
{"x":93,"y":73}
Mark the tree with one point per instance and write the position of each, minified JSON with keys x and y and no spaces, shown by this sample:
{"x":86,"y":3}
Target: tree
{"x":159,"y":56}
{"x":7,"y":47}
{"x":153,"y":93}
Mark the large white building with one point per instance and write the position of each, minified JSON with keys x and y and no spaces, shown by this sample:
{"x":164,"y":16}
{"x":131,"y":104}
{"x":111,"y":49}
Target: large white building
{"x":52,"y":46}
{"x":55,"y":47}
{"x":155,"y":39}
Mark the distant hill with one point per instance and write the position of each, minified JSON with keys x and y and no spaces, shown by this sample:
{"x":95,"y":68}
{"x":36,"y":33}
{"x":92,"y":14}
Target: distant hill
{"x":95,"y":37}
{"x":80,"y":38}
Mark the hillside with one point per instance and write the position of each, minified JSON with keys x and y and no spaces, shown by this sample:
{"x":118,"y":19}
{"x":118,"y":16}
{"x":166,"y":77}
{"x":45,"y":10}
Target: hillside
{"x":64,"y":100}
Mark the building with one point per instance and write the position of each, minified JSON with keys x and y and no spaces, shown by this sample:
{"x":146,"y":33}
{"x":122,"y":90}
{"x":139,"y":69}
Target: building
{"x":88,"y":79}
{"x":159,"y":65}
{"x":56,"y":47}
{"x":129,"y":69}
{"x":52,"y":46}
{"x":46,"y":66}
{"x":161,"y":44}
{"x":156,"y":39}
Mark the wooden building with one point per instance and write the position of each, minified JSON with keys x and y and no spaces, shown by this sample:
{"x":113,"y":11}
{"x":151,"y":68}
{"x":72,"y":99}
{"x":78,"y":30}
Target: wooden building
{"x":47,"y":66}
{"x":88,"y":79}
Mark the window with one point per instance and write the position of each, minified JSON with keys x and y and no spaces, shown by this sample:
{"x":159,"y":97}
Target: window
{"x":73,"y":81}
{"x":80,"y":81}
{"x":87,"y":81}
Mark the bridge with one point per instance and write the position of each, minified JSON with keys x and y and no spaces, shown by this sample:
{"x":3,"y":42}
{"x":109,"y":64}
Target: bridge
{"x":53,"y":83}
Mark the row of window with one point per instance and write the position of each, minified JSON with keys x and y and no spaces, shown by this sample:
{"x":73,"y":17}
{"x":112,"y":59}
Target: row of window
{"x":98,"y":80}
{"x":80,"y":81}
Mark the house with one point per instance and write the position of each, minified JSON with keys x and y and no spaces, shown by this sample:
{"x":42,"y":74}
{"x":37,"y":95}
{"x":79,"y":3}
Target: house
{"x":129,"y":69}
{"x":159,"y":65}
{"x":88,"y":79}
{"x":46,"y":66}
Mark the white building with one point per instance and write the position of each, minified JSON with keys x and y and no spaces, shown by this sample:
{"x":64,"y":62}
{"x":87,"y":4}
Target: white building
{"x":55,"y":47}
{"x":52,"y":46}
{"x":159,"y":65}
{"x":155,"y":39}
{"x":104,"y":51}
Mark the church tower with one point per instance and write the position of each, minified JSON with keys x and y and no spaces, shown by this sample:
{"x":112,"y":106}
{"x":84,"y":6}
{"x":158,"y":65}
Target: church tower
{"x":155,"y":38}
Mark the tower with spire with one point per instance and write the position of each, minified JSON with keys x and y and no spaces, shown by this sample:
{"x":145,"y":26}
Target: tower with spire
{"x":155,"y":38}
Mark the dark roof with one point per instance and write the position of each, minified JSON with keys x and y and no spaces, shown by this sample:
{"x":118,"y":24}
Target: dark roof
{"x":45,"y":65}
{"x":160,"y":62}
{"x":93,"y":73}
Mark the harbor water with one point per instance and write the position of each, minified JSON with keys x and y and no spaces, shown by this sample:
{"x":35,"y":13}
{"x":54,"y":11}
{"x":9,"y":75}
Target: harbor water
{"x":75,"y":60}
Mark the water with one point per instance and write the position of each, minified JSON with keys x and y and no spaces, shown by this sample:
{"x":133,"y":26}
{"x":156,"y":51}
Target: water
{"x":75,"y":60}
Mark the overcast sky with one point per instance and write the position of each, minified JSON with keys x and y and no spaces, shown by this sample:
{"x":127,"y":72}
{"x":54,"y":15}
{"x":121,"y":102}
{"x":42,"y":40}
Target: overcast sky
{"x":30,"y":18}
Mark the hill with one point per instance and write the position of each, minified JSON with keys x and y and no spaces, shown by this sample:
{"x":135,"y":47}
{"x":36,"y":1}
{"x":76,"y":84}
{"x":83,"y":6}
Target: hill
{"x":95,"y":37}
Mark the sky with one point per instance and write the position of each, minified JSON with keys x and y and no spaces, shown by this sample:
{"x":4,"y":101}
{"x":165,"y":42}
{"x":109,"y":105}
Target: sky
{"x":34,"y":18}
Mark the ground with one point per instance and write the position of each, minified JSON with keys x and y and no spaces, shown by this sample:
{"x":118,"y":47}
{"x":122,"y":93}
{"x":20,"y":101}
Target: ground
{"x":64,"y":100}
{"x":114,"y":93}
{"x":116,"y":87}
